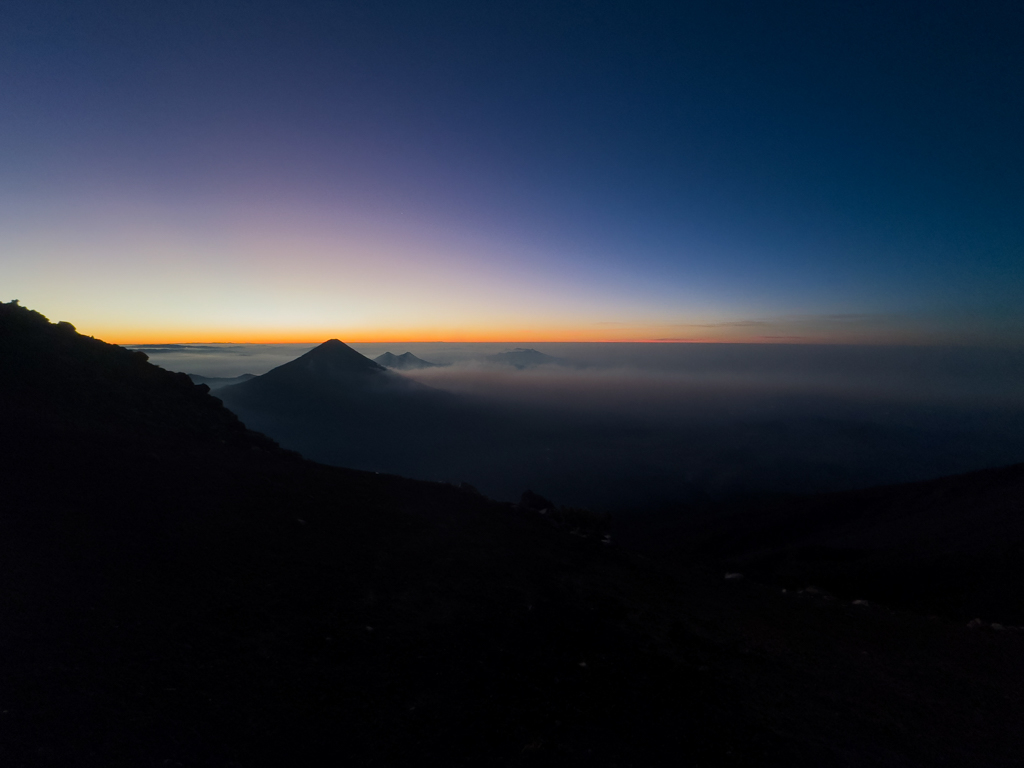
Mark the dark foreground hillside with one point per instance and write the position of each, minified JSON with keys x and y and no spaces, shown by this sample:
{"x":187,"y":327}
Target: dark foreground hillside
{"x":180,"y":591}
{"x":952,"y":546}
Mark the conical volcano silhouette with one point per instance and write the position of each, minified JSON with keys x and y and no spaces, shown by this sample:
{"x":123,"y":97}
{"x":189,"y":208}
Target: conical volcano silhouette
{"x":336,"y":406}
{"x":327,"y":377}
{"x":331,"y":361}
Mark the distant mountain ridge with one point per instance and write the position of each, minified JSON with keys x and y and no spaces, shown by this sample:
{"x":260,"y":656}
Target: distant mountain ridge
{"x":404,"y":362}
{"x":522,"y":357}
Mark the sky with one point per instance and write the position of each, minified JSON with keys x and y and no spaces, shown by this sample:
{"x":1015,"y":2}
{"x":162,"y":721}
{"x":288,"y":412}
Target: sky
{"x":215,"y":171}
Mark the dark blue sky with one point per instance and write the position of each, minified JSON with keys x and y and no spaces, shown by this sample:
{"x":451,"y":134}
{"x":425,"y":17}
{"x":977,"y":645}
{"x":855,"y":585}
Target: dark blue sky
{"x":821,"y":171}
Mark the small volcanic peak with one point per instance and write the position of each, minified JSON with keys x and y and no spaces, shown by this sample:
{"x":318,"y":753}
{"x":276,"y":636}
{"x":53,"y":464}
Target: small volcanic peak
{"x":404,"y":362}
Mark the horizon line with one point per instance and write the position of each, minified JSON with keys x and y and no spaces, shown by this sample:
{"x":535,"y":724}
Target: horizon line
{"x":750,"y":342}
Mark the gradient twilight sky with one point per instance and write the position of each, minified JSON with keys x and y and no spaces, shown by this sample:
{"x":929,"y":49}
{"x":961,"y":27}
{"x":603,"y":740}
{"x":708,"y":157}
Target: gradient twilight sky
{"x":220,"y":170}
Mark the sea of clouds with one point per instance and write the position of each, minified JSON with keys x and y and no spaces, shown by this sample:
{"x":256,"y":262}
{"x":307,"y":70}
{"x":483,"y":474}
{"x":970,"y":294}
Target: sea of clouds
{"x":622,"y":424}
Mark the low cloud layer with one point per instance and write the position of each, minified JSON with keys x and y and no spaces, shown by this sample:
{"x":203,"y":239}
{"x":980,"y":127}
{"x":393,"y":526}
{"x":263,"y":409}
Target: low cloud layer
{"x":221,"y":360}
{"x":626,"y":426}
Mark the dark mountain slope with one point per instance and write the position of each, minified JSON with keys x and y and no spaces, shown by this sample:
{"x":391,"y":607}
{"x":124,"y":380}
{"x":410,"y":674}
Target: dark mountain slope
{"x":953,"y":546}
{"x":180,"y":591}
{"x":63,"y":390}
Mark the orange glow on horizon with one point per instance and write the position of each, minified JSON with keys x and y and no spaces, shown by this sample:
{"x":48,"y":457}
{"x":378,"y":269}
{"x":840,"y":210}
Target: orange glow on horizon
{"x":780,"y":332}
{"x":156,"y":336}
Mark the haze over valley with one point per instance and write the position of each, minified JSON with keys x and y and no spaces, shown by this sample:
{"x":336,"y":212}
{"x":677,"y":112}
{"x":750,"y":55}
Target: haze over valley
{"x":622,"y":427}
